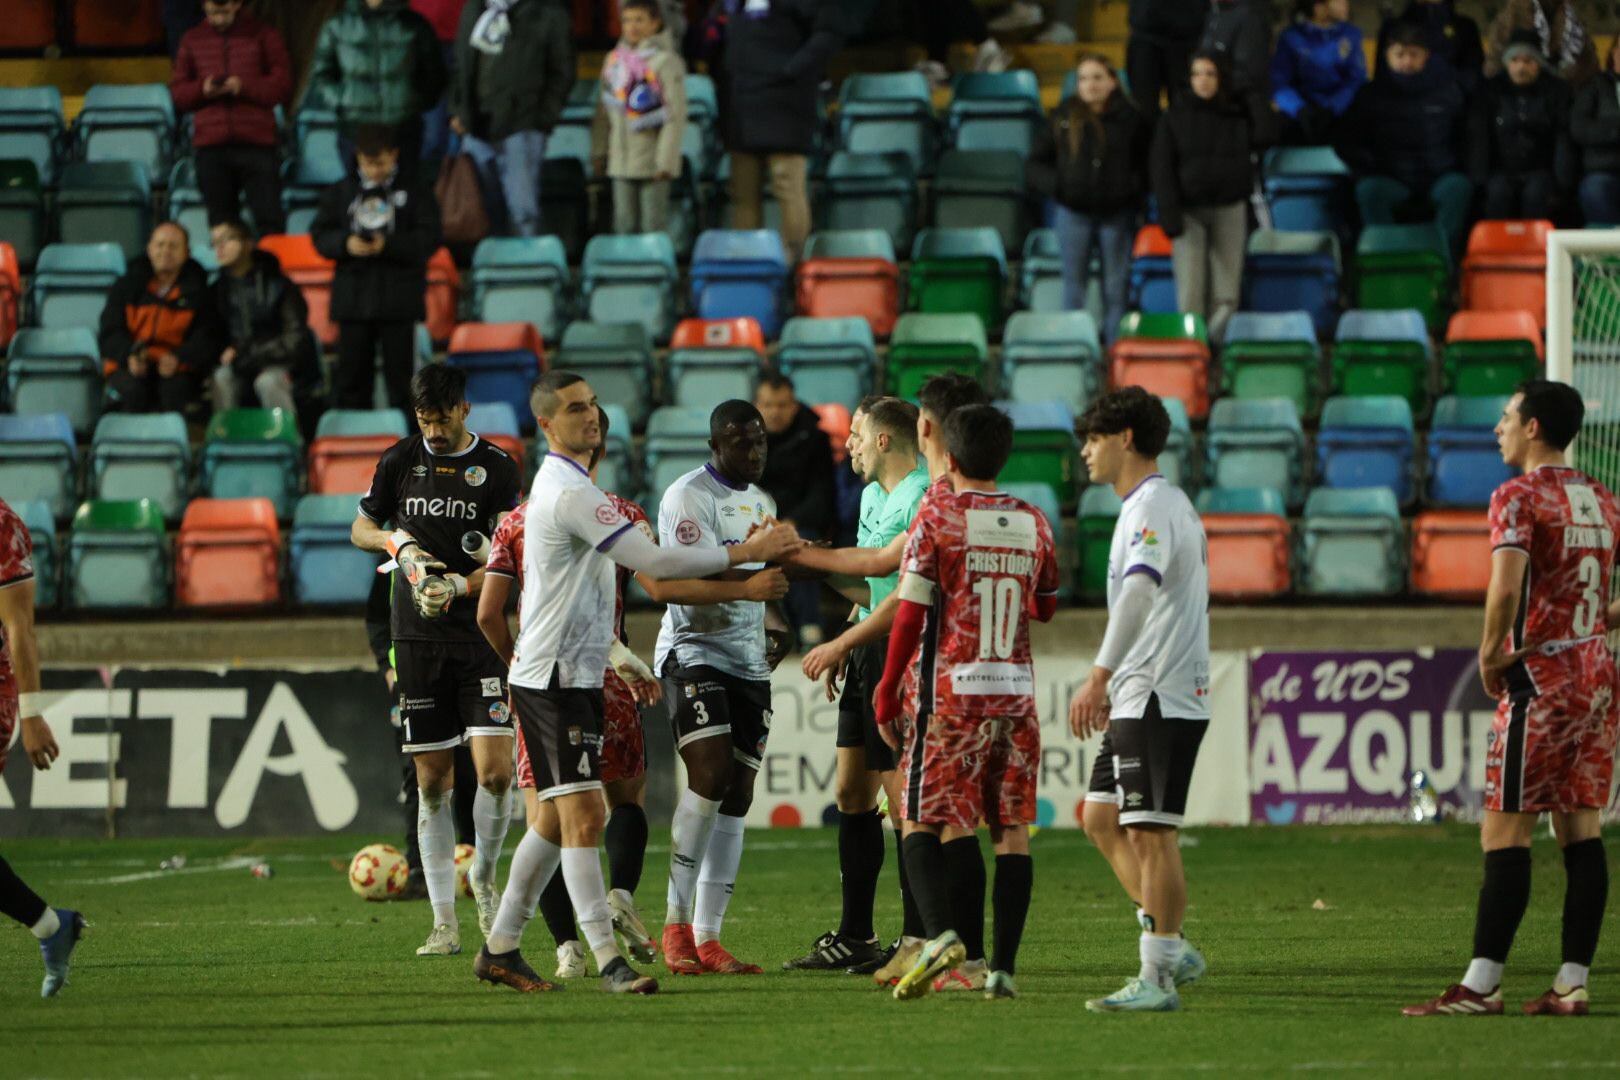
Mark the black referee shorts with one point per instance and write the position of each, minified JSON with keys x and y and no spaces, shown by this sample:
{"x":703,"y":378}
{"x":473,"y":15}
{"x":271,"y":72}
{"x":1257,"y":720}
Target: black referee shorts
{"x":857,"y":723}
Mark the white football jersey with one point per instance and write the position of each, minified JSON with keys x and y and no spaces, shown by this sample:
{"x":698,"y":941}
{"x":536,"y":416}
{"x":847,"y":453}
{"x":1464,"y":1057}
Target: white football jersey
{"x":702,"y":509}
{"x":1160,"y":534}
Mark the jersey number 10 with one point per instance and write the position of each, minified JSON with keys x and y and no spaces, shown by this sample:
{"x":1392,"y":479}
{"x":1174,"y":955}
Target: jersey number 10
{"x":1000,"y":602}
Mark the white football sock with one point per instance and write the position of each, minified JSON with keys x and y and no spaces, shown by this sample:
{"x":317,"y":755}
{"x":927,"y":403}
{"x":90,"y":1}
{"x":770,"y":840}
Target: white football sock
{"x":718,"y":877}
{"x":1569,"y":977}
{"x":49,"y":924}
{"x":436,"y":836}
{"x":582,"y":869}
{"x":533,"y":863}
{"x":688,"y":843}
{"x":1483,"y":975}
{"x":491,"y":812}
{"x":1160,"y":954}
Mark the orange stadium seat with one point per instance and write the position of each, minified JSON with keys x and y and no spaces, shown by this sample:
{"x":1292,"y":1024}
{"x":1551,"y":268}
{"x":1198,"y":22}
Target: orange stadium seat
{"x":443,"y":291}
{"x":312,"y":273}
{"x":10,"y":292}
{"x":228,"y":554}
{"x":740,"y":333}
{"x":1169,"y":367}
{"x":344,"y":464}
{"x":1151,"y":243}
{"x":1248,"y":555}
{"x":865,"y":288}
{"x":1495,"y":326}
{"x":1505,"y":268}
{"x":1451,"y":554}
{"x":497,"y":337}
{"x":835,"y":420}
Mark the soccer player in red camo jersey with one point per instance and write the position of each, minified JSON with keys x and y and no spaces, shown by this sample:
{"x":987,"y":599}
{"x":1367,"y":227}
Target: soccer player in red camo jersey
{"x":980,"y":564}
{"x":1545,"y":658}
{"x":57,"y":929}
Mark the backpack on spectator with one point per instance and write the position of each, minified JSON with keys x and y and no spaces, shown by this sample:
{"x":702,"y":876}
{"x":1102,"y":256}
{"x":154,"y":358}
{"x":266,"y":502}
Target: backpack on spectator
{"x":461,"y":202}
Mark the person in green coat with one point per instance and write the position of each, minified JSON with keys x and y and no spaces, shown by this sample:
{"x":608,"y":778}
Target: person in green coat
{"x":377,"y":62}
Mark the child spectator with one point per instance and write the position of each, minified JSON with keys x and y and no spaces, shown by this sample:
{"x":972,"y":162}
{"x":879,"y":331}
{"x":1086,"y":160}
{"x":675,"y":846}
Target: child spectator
{"x":1452,"y":39}
{"x":1595,"y":127}
{"x":1316,"y":71}
{"x":640,"y":120}
{"x":159,"y":337}
{"x":1561,"y":38}
{"x":1239,"y":32}
{"x":380,"y":226}
{"x":377,"y":62}
{"x":1520,"y":152}
{"x":269,"y":352}
{"x":1203,"y":173}
{"x":1090,"y":159}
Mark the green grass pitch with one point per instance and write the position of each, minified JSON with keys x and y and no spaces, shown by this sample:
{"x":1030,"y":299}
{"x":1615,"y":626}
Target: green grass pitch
{"x":211,"y":972}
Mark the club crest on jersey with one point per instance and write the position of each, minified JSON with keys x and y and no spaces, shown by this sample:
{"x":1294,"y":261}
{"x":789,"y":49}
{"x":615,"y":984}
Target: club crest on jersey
{"x":691,"y":690}
{"x":574,"y":736}
{"x":606,"y":514}
{"x":475,"y":476}
{"x":1145,"y":537}
{"x":687,"y":531}
{"x":499,"y":713}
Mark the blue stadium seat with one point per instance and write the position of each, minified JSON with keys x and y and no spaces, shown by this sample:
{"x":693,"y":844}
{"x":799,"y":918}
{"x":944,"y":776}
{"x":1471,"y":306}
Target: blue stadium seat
{"x":1257,"y":443}
{"x":891,"y":112}
{"x":871,"y":191}
{"x":1286,"y":326}
{"x":56,"y":371}
{"x":1153,"y":281}
{"x":1040,"y":275}
{"x":741,"y":274}
{"x":70,"y":284}
{"x":1307,"y":187}
{"x":1353,"y":543}
{"x":326,"y":569}
{"x":994,"y":111}
{"x":142,"y":457}
{"x":38,"y":460}
{"x":105,"y":201}
{"x":502,"y":360}
{"x":829,"y":360}
{"x":31,"y":128}
{"x":41,"y":525}
{"x":631,"y":279}
{"x":1052,"y":356}
{"x":1366,"y":442}
{"x":520,"y":279}
{"x":1465,"y":465}
{"x":617,"y":360}
{"x":127,"y":123}
{"x":1293,"y":271}
{"x":118,"y":556}
{"x":493,"y":418}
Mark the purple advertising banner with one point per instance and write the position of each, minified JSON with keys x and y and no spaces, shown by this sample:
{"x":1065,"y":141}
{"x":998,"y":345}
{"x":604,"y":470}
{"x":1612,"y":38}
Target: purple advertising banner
{"x":1334,"y":737}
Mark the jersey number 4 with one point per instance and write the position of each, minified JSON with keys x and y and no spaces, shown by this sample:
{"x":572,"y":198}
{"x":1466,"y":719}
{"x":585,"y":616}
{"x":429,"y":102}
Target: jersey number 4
{"x":1001,"y":601}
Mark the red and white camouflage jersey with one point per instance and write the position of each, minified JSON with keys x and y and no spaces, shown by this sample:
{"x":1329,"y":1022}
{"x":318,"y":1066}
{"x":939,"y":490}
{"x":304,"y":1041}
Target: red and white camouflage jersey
{"x":977,"y":560}
{"x":16,"y":567}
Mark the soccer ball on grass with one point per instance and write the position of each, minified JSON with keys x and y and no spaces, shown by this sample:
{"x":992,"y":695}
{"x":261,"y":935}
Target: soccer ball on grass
{"x":464,"y":860}
{"x":378,"y":872}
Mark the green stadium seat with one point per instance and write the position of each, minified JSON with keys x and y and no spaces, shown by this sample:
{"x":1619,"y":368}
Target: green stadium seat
{"x":22,"y":208}
{"x":1040,"y":274}
{"x":41,"y":525}
{"x":520,"y":279}
{"x":617,"y":360}
{"x":1052,"y":356}
{"x":142,"y":457}
{"x":829,"y":360}
{"x":958,"y":271}
{"x":118,"y":556}
{"x":1353,"y":543}
{"x":38,"y":460}
{"x":1099,"y":509}
{"x":325,"y":568}
{"x":1272,"y":355}
{"x":983,"y":188}
{"x":253,"y":453}
{"x":1488,"y":353}
{"x":1383,"y":353}
{"x":1257,"y":443}
{"x":631,"y":279}
{"x":928,"y":344}
{"x":1404,"y":266}
{"x":56,"y":371}
{"x":1044,"y":447}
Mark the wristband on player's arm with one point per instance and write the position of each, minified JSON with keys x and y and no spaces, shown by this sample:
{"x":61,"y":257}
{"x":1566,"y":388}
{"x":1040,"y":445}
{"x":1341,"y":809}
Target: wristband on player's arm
{"x":1125,"y":620}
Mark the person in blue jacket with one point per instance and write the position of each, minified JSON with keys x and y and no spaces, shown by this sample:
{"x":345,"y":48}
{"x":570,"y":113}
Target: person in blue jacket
{"x":1316,"y":70}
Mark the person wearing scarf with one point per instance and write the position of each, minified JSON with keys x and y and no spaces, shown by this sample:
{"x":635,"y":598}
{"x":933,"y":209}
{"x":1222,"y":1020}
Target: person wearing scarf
{"x":1559,"y":32}
{"x":640,"y":120}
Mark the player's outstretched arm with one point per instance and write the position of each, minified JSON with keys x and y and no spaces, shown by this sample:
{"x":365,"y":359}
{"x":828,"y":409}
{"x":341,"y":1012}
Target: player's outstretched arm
{"x":1088,"y":709}
{"x":823,"y":658}
{"x":17,"y":616}
{"x":853,"y":562}
{"x":635,"y":552}
{"x":492,"y":615}
{"x":762,"y":585}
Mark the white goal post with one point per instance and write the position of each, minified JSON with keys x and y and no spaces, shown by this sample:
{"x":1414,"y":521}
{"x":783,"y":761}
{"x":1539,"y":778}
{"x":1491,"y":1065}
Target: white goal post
{"x":1583,"y":338}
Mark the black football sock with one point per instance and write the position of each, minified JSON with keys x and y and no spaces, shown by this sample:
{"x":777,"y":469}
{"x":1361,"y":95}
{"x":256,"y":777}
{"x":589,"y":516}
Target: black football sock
{"x":558,"y":910}
{"x":1503,"y":897}
{"x":912,"y":926}
{"x":860,"y":860}
{"x":626,"y":841}
{"x":17,"y":900}
{"x":1015,"y":879}
{"x":964,"y":864}
{"x":925,"y":867}
{"x":1585,"y":896}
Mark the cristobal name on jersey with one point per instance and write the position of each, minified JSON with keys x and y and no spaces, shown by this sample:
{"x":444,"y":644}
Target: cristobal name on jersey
{"x":417,"y":506}
{"x":1000,"y":562}
{"x":1588,"y":536}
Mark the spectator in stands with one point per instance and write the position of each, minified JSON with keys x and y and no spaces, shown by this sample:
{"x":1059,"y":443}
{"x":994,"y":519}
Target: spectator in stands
{"x":1403,"y":138}
{"x":269,"y":352}
{"x":377,"y":62}
{"x":1451,"y":39}
{"x":1316,"y":71}
{"x":1163,"y":35}
{"x":444,"y":16}
{"x":1595,"y":127}
{"x":1203,"y":173}
{"x":232,"y":71}
{"x":640,"y":120}
{"x":936,"y":25}
{"x":380,"y":226}
{"x":1519,"y":150}
{"x":1561,"y":38}
{"x":514,"y":68}
{"x":772,"y":57}
{"x":1239,"y":32}
{"x":159,"y":334}
{"x":1090,"y":159}
{"x":179,"y":16}
{"x":799,"y":476}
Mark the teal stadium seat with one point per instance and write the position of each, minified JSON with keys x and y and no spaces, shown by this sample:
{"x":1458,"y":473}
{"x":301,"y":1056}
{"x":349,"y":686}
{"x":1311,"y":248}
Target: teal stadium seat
{"x":871,"y":191}
{"x":1353,"y":543}
{"x":1040,"y":275}
{"x":186,"y":209}
{"x":41,"y":525}
{"x":677,"y":443}
{"x":520,"y":279}
{"x":631,"y":279}
{"x":1257,"y":443}
{"x":616,"y":358}
{"x":326,"y":569}
{"x":1099,"y":509}
{"x":56,"y":371}
{"x":127,"y":123}
{"x":889,"y":112}
{"x":38,"y":460}
{"x":118,"y":556}
{"x":142,"y":457}
{"x":70,"y":284}
{"x":829,"y":360}
{"x":253,"y":453}
{"x":1052,"y":357}
{"x":994,"y":111}
{"x":31,"y":128}
{"x":1176,"y":463}
{"x":344,"y":423}
{"x":983,"y":187}
{"x":105,"y":201}
{"x":22,"y":210}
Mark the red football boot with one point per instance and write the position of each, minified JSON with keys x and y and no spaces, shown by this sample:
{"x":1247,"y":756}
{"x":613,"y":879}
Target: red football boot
{"x":715,"y":959}
{"x":681,"y":951}
{"x":1458,"y":1000}
{"x":1552,"y":1003}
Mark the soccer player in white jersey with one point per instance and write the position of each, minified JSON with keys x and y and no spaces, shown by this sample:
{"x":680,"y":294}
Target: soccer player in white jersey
{"x":573,"y":536}
{"x":718,"y":660}
{"x":1148,"y":691}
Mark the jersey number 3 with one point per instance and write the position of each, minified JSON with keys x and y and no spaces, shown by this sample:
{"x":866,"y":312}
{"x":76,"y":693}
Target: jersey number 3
{"x":1001,"y":600}
{"x":1584,"y":621}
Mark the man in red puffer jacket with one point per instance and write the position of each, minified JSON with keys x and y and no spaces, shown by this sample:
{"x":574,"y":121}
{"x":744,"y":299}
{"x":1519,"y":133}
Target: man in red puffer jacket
{"x":232,"y":71}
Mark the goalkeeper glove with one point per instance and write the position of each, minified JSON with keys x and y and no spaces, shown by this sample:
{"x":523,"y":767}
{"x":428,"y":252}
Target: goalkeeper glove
{"x":436,"y":592}
{"x":414,"y":561}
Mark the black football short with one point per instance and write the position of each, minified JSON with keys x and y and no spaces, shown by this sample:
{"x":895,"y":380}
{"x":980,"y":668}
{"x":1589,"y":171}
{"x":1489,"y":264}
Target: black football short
{"x":449,"y":692}
{"x":1145,"y":765}
{"x":857,"y":723}
{"x":562,"y":732}
{"x":710,"y":702}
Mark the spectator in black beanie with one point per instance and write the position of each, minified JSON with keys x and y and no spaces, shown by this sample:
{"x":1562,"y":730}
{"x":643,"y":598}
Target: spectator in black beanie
{"x":1520,"y":150}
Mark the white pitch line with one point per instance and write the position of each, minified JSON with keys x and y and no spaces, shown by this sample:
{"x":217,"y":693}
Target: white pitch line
{"x":241,"y":863}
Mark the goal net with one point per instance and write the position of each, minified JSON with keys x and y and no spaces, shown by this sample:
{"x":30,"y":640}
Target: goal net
{"x":1583,"y":339}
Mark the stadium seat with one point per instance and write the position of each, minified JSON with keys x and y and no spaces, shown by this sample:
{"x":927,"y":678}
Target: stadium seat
{"x":983,"y":188}
{"x":1287,"y":271}
{"x":70,"y":283}
{"x":1052,"y":357}
{"x":1488,"y":353}
{"x":30,"y":26}
{"x":31,"y":127}
{"x":617,"y":359}
{"x":891,"y":112}
{"x":1505,"y":267}
{"x":1465,"y":465}
{"x":228,"y":555}
{"x":1041,"y":497}
{"x":1153,"y":282}
{"x":713,"y":360}
{"x":38,"y":460}
{"x":741,"y":274}
{"x":497,"y":423}
{"x":253,"y":453}
{"x":1366,"y":442}
{"x":142,"y":457}
{"x":312,"y":273}
{"x":958,"y":271}
{"x":829,"y":360}
{"x":10,"y":293}
{"x":1353,"y":543}
{"x":1099,"y":509}
{"x":56,"y":371}
{"x":107,"y":201}
{"x":850,"y":272}
{"x":1040,"y":274}
{"x":442,"y":295}
{"x":1307,"y":188}
{"x":118,"y":556}
{"x":187,"y":210}
{"x":1404,"y":266}
{"x":565,"y":203}
{"x":925,"y":345}
{"x":1166,"y":354}
{"x":318,"y":161}
{"x":1272,"y":355}
{"x":1044,"y":449}
{"x":1383,"y":352}
{"x":1248,"y":541}
{"x":631,"y":279}
{"x":677,"y":443}
{"x":994,"y":111}
{"x":520,"y":279}
{"x":348,"y":442}
{"x":871,"y":191}
{"x":41,"y":525}
{"x":834,"y":420}
{"x":22,"y":210}
{"x":1451,"y":554}
{"x":502,"y":360}
{"x":1177,"y":462}
{"x":1257,"y":443}
{"x":131,"y":124}
{"x":324,"y":568}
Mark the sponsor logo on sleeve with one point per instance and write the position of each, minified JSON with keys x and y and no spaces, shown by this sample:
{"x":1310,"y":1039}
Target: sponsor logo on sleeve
{"x":1144,"y":538}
